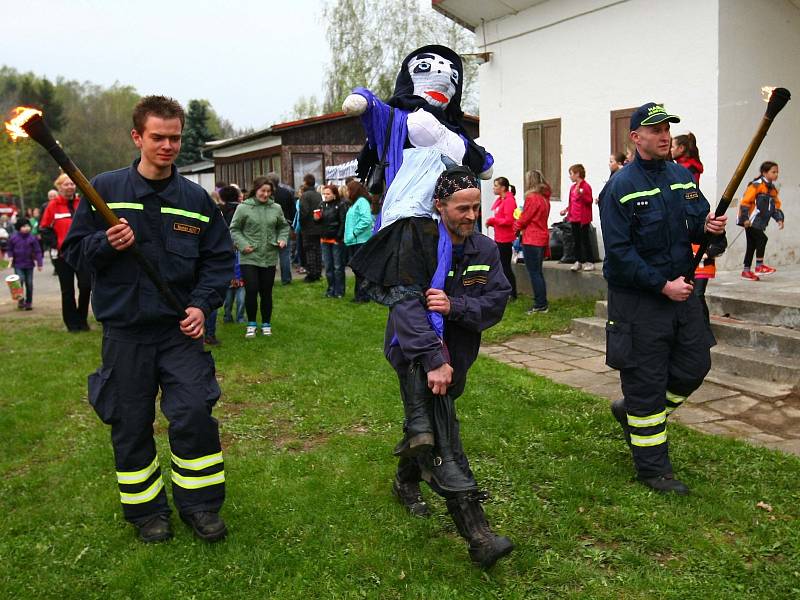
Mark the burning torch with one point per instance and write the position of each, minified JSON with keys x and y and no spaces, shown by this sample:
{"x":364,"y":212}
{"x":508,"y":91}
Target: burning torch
{"x":777,"y":99}
{"x":28,"y":122}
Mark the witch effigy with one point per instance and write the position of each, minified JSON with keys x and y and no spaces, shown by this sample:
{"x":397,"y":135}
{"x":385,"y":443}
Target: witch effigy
{"x":442,"y":284}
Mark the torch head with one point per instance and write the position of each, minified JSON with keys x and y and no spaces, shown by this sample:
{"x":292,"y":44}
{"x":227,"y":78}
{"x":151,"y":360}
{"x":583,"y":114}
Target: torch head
{"x":38,"y":130}
{"x":777,"y":100}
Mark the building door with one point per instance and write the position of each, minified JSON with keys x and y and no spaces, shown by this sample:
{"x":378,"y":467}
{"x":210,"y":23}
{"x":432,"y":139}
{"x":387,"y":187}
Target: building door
{"x":542,"y":151}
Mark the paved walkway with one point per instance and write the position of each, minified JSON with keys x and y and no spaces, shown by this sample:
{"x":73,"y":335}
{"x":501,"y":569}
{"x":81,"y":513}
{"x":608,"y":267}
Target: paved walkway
{"x":770,"y":422}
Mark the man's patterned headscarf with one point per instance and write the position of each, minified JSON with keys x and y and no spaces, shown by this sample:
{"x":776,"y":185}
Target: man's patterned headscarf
{"x":453,"y":180}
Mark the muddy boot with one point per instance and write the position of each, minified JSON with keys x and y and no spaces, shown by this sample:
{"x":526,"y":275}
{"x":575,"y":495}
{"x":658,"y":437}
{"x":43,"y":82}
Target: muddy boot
{"x":410,"y":496}
{"x":439,"y":466}
{"x":618,"y":410}
{"x":485,"y":547}
{"x":417,"y":427}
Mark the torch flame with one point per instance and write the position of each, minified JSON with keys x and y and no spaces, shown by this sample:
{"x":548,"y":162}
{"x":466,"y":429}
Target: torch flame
{"x":21,"y":115}
{"x":766,"y":92}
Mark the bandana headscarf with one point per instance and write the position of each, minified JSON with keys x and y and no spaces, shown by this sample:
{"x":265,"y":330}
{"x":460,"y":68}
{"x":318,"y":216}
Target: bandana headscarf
{"x":453,"y":180}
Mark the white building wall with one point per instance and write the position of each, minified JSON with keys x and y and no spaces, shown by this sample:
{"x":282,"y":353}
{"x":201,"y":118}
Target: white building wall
{"x":760,"y":45}
{"x":611,"y":56}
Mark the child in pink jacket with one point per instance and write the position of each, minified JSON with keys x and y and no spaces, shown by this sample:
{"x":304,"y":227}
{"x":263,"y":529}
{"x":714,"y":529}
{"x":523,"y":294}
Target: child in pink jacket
{"x":579,"y":215}
{"x":503,"y":222}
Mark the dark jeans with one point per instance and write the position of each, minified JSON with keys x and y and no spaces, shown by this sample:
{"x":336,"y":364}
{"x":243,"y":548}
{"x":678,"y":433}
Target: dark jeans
{"x":26,"y":279}
{"x":231,"y":295}
{"x":211,"y":324}
{"x":74,"y":315}
{"x":258,"y":281}
{"x":358,"y":294}
{"x":313,"y":255}
{"x":332,"y":257}
{"x":286,"y":264}
{"x":756,"y":243}
{"x":505,"y":249}
{"x":534,"y":256}
{"x":580,"y":235}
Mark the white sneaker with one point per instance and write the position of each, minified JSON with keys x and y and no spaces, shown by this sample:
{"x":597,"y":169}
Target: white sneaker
{"x":250,"y":332}
{"x":588,"y":266}
{"x":266,"y":330}
{"x":576,"y":266}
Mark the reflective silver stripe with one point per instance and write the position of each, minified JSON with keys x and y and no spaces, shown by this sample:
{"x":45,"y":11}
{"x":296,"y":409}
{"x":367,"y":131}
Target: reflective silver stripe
{"x":633,"y":195}
{"x":184,"y":213}
{"x":193,"y":483}
{"x":683,"y":186}
{"x":138,"y":476}
{"x":198,"y":464}
{"x":144,"y":496}
{"x":648,"y":421}
{"x":649,"y":440}
{"x":62,"y":215}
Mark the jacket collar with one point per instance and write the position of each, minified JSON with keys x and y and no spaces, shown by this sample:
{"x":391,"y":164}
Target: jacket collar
{"x":141,"y":188}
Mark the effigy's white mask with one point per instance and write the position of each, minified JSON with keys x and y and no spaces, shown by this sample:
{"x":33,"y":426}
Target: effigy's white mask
{"x":434,"y":78}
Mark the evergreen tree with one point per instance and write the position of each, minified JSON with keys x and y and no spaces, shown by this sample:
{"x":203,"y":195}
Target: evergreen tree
{"x":195,"y":132}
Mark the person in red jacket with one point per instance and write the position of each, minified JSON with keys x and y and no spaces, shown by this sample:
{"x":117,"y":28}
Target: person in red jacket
{"x":535,"y":236}
{"x":58,"y":218}
{"x":579,"y":215}
{"x":684,"y":152}
{"x":503,"y":222}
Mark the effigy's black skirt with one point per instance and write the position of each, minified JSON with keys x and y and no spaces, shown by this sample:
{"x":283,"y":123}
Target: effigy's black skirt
{"x":399,"y":261}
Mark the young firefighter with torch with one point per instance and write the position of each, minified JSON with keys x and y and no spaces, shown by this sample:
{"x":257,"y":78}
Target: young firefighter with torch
{"x":149,"y":342}
{"x":656,"y":335}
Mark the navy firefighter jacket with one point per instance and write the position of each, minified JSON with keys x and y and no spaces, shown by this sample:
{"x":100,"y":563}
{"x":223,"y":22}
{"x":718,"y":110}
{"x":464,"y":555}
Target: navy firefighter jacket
{"x":180,"y":230}
{"x":651,"y":211}
{"x":478,"y":292}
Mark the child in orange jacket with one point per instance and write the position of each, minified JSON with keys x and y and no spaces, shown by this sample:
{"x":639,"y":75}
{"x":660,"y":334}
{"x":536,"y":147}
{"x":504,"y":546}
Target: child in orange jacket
{"x":759,"y":204}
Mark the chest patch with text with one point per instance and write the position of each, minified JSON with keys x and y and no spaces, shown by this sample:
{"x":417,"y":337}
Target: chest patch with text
{"x":185,"y":228}
{"x":692,"y":195}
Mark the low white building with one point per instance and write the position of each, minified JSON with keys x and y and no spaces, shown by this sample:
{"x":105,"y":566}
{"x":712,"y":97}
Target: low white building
{"x":563,"y":76}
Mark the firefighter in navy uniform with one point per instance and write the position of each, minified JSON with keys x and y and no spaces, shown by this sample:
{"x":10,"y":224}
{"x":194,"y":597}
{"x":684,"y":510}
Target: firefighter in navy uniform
{"x":433,"y":370}
{"x":656,"y":334}
{"x":146,"y":344}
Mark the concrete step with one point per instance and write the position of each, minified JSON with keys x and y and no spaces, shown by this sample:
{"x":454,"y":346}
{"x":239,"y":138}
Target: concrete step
{"x":742,"y":362}
{"x":763,"y":306}
{"x":776,"y":341}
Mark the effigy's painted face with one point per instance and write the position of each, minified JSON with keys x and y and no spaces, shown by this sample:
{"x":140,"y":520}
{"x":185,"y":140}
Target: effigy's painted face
{"x":434,"y":78}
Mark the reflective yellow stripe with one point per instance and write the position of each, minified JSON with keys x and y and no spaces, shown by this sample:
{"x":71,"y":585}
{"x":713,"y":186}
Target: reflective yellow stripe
{"x":477,"y":268}
{"x":683,"y":186}
{"x":648,"y":421}
{"x":450,"y":273}
{"x":197,"y":464}
{"x":675,"y":398}
{"x":144,"y":496}
{"x":633,"y":195}
{"x":131,"y":205}
{"x":649,"y":440}
{"x":138,"y":476}
{"x":193,"y":483}
{"x":184,"y":213}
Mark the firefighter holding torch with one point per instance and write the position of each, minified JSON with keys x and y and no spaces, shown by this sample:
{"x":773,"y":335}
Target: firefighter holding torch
{"x":656,"y":334}
{"x":147,"y":343}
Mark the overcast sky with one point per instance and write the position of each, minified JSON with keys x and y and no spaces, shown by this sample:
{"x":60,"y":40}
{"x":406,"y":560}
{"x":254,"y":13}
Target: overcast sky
{"x":251,"y":59}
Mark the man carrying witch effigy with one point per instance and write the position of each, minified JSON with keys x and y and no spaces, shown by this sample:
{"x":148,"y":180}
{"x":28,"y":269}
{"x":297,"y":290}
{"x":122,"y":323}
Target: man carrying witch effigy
{"x":442,"y":282}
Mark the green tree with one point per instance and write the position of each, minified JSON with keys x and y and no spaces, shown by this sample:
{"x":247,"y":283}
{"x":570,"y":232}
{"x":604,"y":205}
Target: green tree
{"x":379,"y":34}
{"x":195,"y":132}
{"x":19,"y":172}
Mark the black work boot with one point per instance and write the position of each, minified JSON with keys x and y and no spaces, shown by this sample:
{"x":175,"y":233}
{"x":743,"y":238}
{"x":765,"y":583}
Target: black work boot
{"x":665,"y":484}
{"x":440,"y":466}
{"x":206,"y":525}
{"x":410,"y":496}
{"x":417,"y":428}
{"x":155,"y":529}
{"x":485,"y":547}
{"x":618,"y":410}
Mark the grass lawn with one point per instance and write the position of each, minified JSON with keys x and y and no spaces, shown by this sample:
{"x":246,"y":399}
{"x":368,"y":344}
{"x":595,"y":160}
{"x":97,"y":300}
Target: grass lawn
{"x":308,"y":419}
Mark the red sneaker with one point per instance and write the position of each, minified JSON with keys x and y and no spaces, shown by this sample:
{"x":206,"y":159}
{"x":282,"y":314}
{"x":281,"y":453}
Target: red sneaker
{"x":750,"y":276}
{"x":765,"y":270}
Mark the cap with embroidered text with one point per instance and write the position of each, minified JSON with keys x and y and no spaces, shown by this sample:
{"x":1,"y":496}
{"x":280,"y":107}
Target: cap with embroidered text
{"x":651,"y":114}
